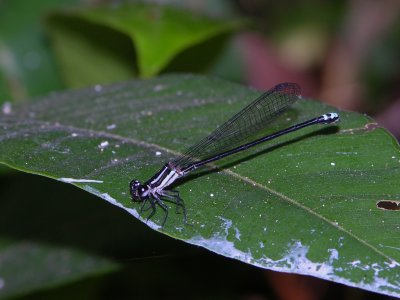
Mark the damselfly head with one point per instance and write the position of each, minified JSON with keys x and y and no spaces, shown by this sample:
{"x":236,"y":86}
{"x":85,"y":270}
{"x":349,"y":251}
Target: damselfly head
{"x":138,"y":190}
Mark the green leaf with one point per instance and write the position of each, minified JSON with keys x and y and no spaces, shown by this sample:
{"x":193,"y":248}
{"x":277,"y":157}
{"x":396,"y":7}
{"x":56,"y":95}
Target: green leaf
{"x":26,"y":266}
{"x":94,"y":45}
{"x":304,"y":204}
{"x":27,"y":66}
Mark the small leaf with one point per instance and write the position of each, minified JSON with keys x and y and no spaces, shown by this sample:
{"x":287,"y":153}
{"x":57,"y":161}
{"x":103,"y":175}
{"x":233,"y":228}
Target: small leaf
{"x":305,"y":204}
{"x":96,"y":40}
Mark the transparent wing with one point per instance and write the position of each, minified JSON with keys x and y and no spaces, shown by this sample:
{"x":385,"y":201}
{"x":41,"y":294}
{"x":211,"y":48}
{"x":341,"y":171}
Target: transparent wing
{"x":248,"y":122}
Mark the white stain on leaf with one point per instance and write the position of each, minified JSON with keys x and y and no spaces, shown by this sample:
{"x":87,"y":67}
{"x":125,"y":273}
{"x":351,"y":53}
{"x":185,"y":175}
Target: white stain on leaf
{"x":219,"y":244}
{"x":226,"y":225}
{"x":98,"y":88}
{"x":6,"y":108}
{"x":237,"y":233}
{"x":103,"y":144}
{"x":392,"y":264}
{"x":296,"y":260}
{"x":354,"y":263}
{"x":334,"y":254}
{"x":72,"y":180}
{"x":159,"y":87}
{"x":111,"y":126}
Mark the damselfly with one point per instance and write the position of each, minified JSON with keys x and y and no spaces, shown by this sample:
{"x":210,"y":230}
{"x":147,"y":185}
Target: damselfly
{"x":221,"y":143}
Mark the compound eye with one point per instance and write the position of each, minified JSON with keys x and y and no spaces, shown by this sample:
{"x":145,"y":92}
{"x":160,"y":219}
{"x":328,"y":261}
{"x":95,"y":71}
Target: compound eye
{"x":134,"y":186}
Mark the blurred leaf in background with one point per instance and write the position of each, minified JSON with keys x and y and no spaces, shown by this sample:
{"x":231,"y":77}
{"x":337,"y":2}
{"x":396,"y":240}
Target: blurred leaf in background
{"x":27,"y":66}
{"x":107,"y":43}
{"x":112,"y":43}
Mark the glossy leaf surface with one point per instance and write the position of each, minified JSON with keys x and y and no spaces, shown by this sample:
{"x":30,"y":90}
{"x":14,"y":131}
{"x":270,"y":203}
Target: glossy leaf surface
{"x":305,"y":203}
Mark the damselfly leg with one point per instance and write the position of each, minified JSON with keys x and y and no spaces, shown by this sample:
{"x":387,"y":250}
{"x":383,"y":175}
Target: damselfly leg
{"x":153,"y":201}
{"x":158,"y":198}
{"x":173,"y":197}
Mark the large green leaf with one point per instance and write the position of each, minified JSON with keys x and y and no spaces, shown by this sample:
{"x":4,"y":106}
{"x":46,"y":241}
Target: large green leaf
{"x":99,"y":44}
{"x":304,"y":204}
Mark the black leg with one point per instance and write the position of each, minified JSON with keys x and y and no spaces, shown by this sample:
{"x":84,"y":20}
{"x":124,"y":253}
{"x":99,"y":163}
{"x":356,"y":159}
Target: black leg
{"x":153,"y":208}
{"x":165,"y":208}
{"x":173,"y":197}
{"x":142,"y":208}
{"x":157,"y":199}
{"x":153,"y":202}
